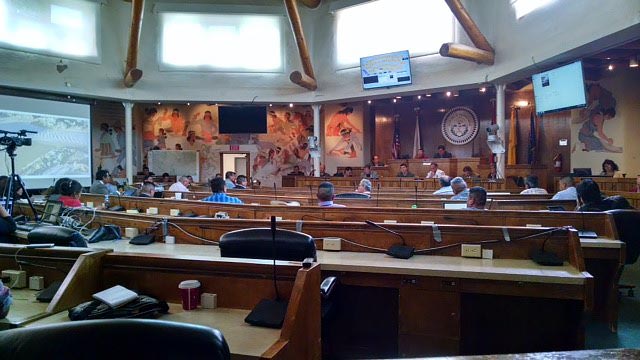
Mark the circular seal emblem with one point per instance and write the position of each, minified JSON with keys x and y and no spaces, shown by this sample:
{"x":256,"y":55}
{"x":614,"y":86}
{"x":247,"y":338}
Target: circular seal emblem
{"x":460,"y":125}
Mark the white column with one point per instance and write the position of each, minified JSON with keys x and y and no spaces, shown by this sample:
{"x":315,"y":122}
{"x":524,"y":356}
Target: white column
{"x":500,"y":158}
{"x":128,"y":131}
{"x":316,"y":133}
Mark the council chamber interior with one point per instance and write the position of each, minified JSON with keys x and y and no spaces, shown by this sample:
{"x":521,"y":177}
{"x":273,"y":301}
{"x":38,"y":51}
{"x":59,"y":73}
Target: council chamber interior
{"x":292,"y":95}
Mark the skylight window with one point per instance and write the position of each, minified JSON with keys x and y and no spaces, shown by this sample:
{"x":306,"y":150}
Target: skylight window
{"x":524,"y":7}
{"x":384,"y":26}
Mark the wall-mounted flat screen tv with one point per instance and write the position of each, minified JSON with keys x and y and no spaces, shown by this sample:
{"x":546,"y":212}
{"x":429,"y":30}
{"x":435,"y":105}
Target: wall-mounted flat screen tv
{"x":242,"y":119}
{"x":559,"y":89}
{"x":386,"y":70}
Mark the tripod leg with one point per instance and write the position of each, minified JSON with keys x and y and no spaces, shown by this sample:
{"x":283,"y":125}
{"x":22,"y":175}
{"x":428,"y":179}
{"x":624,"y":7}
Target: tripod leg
{"x":20,"y":184}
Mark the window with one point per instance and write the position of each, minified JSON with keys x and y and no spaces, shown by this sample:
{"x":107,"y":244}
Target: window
{"x":523,"y":7}
{"x":225,"y":42}
{"x":52,"y":27}
{"x":384,"y":26}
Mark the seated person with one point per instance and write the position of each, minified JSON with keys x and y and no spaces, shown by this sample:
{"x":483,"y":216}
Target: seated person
{"x":99,"y":186}
{"x":53,"y":193}
{"x":590,"y":198}
{"x":467,"y":173}
{"x":477,"y":198}
{"x":567,"y":190}
{"x":182,"y":185}
{"x":459,"y":187}
{"x":148,"y":189}
{"x":609,"y":168}
{"x":166,"y":178}
{"x":368,"y":173}
{"x":445,"y":186}
{"x":420,"y":154}
{"x":323,"y":171}
{"x":146,"y":172}
{"x":190,"y":180}
{"x":219,"y":188}
{"x":296,"y":171}
{"x":70,"y":193}
{"x":434,"y":172}
{"x":364,"y":187}
{"x":326,"y":194}
{"x":493,"y":172}
{"x":442,"y":153}
{"x":636,"y":188}
{"x":531,"y":186}
{"x":7,"y":224}
{"x":230,"y":179}
{"x":348,"y":172}
{"x":375,"y":161}
{"x":404,"y":171}
{"x":241,"y":182}
{"x":148,"y":179}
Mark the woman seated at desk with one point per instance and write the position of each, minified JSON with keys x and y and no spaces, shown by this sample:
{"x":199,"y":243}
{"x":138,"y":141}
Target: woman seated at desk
{"x":70,"y":193}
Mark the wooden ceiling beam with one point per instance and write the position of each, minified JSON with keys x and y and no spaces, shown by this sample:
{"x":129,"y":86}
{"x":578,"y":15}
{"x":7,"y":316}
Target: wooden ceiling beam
{"x":465,"y":52}
{"x":132,"y":73}
{"x":312,"y":4}
{"x":303,"y":50}
{"x":303,"y":80}
{"x":469,"y":25}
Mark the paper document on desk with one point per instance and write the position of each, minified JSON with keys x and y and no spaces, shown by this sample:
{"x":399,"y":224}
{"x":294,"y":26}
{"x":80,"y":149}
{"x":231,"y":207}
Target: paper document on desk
{"x":116,"y":296}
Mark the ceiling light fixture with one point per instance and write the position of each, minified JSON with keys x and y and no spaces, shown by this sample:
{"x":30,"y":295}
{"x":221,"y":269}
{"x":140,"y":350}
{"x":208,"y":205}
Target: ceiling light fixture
{"x":60,"y":67}
{"x":483,"y":89}
{"x":610,"y":67}
{"x":448,"y":93}
{"x":633,"y":62}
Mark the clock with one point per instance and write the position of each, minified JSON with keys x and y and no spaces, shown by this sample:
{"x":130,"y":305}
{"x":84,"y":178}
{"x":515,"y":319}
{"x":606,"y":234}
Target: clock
{"x":460,"y":125}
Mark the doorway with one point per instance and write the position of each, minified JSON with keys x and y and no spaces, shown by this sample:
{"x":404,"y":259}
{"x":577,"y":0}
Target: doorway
{"x":236,"y":161}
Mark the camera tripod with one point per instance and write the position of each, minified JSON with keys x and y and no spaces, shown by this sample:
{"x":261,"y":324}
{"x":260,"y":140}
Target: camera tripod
{"x":14,"y":182}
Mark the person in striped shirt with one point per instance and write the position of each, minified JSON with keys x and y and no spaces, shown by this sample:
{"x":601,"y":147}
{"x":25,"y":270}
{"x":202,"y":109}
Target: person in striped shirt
{"x":219,"y":190}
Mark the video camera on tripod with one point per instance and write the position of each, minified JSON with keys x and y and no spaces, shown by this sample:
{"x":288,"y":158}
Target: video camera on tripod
{"x":20,"y":139}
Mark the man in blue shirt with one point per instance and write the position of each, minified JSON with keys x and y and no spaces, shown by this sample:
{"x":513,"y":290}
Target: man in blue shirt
{"x":230,"y":179}
{"x":459,"y":187}
{"x":218,"y":188}
{"x":567,"y":190}
{"x":326,"y":194}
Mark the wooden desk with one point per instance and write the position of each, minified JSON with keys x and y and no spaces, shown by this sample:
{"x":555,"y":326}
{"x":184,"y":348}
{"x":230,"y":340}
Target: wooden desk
{"x":25,"y":308}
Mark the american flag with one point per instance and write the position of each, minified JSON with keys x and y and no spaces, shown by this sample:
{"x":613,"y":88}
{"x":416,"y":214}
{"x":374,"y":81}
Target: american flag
{"x":395,"y":146}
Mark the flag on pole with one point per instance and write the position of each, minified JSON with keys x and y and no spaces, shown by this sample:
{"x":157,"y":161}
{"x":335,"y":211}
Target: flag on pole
{"x":417,"y":141}
{"x":512,"y":158}
{"x":533,"y":142}
{"x":395,"y":146}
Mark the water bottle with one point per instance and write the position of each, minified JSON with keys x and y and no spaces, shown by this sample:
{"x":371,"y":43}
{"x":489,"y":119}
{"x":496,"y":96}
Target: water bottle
{"x":107,"y":204}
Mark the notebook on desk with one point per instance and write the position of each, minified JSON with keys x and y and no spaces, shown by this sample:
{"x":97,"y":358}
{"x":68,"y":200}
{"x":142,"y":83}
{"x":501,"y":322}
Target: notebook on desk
{"x":587,"y":234}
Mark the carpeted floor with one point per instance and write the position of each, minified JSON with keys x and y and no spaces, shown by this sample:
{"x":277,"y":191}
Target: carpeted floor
{"x":598,"y":335}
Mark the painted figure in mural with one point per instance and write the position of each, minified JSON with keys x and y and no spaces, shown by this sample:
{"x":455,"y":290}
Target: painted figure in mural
{"x":161,"y":139}
{"x":601,"y":107}
{"x":209,"y":129}
{"x":340,"y":121}
{"x":148,"y":126}
{"x":178,"y":126}
{"x":108,"y":142}
{"x":348,"y":146}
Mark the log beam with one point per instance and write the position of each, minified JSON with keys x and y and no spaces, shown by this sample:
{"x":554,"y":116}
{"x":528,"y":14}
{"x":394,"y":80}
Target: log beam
{"x":465,"y":52}
{"x":132,"y":73}
{"x":312,"y":4}
{"x":469,"y":25}
{"x":303,"y":50}
{"x":303,"y":80}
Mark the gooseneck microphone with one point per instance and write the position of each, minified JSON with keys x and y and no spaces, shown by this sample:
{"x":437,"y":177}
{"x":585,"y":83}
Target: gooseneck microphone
{"x":397,"y":251}
{"x":416,"y":193}
{"x":275,"y":192}
{"x":378,"y":195}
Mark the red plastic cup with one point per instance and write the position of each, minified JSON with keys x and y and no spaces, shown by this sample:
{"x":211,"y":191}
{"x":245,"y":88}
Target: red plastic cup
{"x":190,"y":293}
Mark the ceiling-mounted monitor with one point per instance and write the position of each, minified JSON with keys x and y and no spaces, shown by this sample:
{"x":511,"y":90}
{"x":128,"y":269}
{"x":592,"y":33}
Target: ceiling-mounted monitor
{"x":559,"y":89}
{"x":386,"y":70}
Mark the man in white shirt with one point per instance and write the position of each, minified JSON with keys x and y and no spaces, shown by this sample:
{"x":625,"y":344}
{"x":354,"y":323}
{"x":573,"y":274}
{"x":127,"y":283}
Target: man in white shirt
{"x":531,"y":185}
{"x":181,"y":185}
{"x":567,"y":190}
{"x":445,"y":186}
{"x":434,"y":172}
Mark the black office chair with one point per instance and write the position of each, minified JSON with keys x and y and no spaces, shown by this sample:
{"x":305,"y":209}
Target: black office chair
{"x":628,"y":227}
{"x":114,"y":339}
{"x":352,"y":196}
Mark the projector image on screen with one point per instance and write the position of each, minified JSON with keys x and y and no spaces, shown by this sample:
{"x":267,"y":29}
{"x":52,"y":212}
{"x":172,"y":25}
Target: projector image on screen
{"x":386,"y":70}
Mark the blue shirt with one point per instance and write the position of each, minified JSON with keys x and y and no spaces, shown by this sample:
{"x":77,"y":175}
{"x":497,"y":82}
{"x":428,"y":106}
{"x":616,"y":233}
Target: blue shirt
{"x":229,"y":184}
{"x":329,"y":204}
{"x":566,"y":194}
{"x":222,"y":198}
{"x":463,"y":195}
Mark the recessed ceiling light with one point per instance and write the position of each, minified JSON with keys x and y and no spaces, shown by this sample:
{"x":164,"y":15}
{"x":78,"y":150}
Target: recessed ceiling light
{"x":419,"y":97}
{"x":610,"y":67}
{"x":483,"y":89}
{"x":428,"y":95}
{"x":448,"y":93}
{"x":394,"y":100}
{"x":291,"y":105}
{"x":368,"y":101}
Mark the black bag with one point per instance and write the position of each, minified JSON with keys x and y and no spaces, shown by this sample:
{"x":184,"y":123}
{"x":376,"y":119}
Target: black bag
{"x":142,"y":307}
{"x":104,"y":233}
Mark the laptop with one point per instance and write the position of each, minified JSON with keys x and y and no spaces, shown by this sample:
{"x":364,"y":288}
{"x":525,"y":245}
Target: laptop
{"x":456,"y":205}
{"x":50,"y":216}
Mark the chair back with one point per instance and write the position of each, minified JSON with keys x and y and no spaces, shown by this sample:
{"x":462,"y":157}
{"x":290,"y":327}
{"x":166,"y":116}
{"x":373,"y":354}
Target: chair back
{"x":628,"y":227}
{"x":114,"y":339}
{"x":352,"y":196}
{"x":257,"y":243}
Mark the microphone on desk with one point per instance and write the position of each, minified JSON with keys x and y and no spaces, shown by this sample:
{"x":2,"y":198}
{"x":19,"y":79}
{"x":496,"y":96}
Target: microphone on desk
{"x":378,"y":195}
{"x":416,"y":193}
{"x":275,"y":192}
{"x":270,"y":313}
{"x":397,"y":251}
{"x":118,"y":207}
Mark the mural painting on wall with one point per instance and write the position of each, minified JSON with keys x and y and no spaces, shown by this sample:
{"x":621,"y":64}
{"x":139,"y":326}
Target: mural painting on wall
{"x":109,"y":147}
{"x":196,"y":128}
{"x":343,"y":136}
{"x":595,"y":121}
